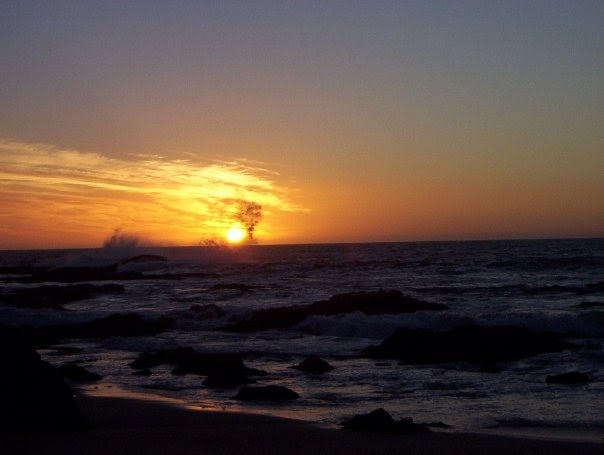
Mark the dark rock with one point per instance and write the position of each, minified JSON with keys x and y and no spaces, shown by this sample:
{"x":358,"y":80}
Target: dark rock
{"x":222,"y":370}
{"x":377,"y":302}
{"x":56,"y":296}
{"x":379,"y":421}
{"x":269,"y":318}
{"x":590,"y":305}
{"x":143,"y":372}
{"x":144,"y":258}
{"x":370,"y":303}
{"x":27,"y":274}
{"x":33,"y":394}
{"x":573,"y":377}
{"x":313,"y":364}
{"x":438,"y":424}
{"x":209,"y":311}
{"x":77,"y":373}
{"x":124,"y":325}
{"x":266,"y":393}
{"x":77,"y":274}
{"x":20,"y":270}
{"x":483,"y":345}
{"x":227,"y":379}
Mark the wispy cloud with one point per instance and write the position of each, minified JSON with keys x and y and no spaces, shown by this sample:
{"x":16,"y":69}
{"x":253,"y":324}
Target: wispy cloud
{"x":48,"y":190}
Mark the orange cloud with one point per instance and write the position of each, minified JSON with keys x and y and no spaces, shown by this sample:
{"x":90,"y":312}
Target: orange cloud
{"x":52,"y":197}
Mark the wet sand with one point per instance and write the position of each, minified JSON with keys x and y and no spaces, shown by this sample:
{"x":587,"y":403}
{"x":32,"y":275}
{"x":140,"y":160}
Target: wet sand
{"x":123,"y":426}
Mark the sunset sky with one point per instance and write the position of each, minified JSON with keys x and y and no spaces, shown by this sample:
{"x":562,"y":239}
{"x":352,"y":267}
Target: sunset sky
{"x":346,"y":121}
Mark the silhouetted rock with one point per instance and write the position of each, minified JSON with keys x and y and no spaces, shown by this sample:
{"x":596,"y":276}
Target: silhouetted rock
{"x":33,"y":394}
{"x":573,"y":377}
{"x":222,"y":370}
{"x":379,"y":421}
{"x":76,"y":274}
{"x":104,"y":273}
{"x":471,"y":343}
{"x":590,"y":305}
{"x":313,"y":364}
{"x":376,"y":302}
{"x":209,"y":311}
{"x":20,"y":270}
{"x":266,"y":393}
{"x":124,"y":325}
{"x":56,"y":296}
{"x":370,"y":303}
{"x":438,"y":424}
{"x":227,"y":378}
{"x":143,"y":372}
{"x":66,"y":350}
{"x":77,"y":373}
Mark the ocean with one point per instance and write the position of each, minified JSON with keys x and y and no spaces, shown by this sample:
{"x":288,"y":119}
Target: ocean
{"x":544,"y":285}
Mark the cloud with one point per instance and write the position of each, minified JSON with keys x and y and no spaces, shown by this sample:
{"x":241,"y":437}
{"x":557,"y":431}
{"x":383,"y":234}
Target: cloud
{"x":47,"y":191}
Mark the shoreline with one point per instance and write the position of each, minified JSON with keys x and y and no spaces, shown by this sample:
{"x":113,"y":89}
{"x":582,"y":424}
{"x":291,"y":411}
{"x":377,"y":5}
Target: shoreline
{"x":134,"y":425}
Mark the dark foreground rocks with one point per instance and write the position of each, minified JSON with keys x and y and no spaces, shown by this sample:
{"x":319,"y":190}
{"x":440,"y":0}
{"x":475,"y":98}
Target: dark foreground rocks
{"x":112,"y":272}
{"x":266,"y":393}
{"x":78,"y":373}
{"x":369,"y":303}
{"x":33,"y":394}
{"x":572,"y":377}
{"x":221,"y":370}
{"x":54,"y":296}
{"x":380,"y":421}
{"x":588,"y":305}
{"x":124,"y":325}
{"x":483,"y":345}
{"x":313,"y":364}
{"x":78,"y":274}
{"x":208,"y":311}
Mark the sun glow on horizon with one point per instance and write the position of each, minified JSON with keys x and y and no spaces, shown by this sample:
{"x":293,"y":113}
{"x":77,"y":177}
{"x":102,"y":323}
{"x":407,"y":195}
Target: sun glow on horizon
{"x":74,"y":198}
{"x":235,"y":234}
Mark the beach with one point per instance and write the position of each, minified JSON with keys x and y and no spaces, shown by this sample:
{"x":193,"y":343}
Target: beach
{"x":121,"y":425}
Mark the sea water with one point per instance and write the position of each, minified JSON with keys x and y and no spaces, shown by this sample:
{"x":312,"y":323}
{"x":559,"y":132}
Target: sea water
{"x":538,"y":284}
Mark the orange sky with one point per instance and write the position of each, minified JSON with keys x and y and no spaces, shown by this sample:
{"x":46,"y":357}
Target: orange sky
{"x":347,"y":122}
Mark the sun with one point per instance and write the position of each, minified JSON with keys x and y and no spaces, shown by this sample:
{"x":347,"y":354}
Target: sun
{"x":235,"y":234}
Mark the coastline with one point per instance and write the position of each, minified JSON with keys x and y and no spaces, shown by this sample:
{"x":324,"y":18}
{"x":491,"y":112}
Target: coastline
{"x":134,"y":425}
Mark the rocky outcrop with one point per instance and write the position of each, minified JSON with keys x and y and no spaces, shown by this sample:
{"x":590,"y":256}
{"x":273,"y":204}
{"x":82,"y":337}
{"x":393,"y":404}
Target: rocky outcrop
{"x":369,"y":303}
{"x":380,"y":421}
{"x":572,"y":377}
{"x":33,"y":394}
{"x":313,"y":364}
{"x":209,"y":311}
{"x":110,"y":272}
{"x":56,"y":296}
{"x":77,"y":373}
{"x":587,"y":305}
{"x":221,"y":370}
{"x":124,"y":325}
{"x":266,"y":393}
{"x":78,"y":274}
{"x":484,"y":345}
